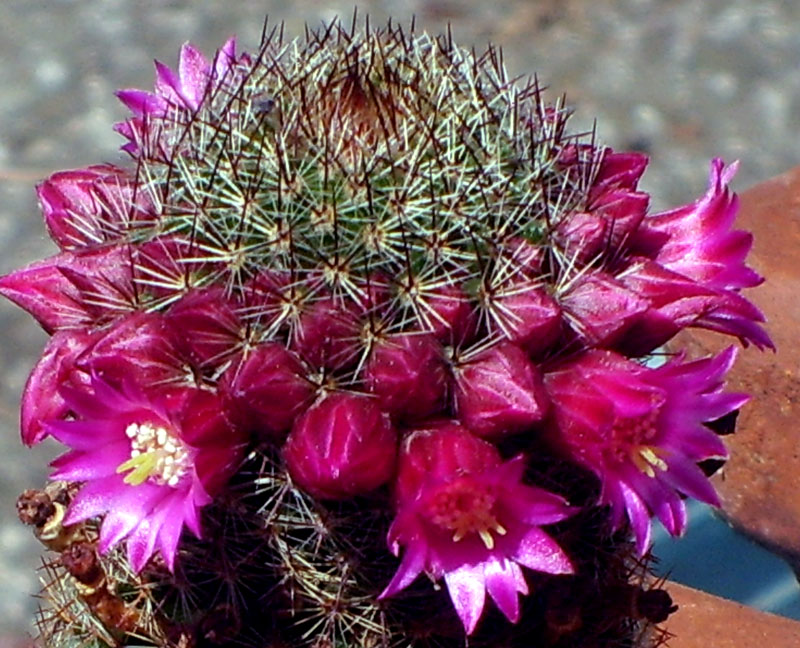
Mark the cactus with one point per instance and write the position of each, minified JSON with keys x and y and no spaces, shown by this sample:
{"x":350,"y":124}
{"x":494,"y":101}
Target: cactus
{"x":362,"y":308}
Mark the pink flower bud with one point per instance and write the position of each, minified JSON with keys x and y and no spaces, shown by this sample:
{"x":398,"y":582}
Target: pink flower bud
{"x":205,"y":326}
{"x":528,"y":317}
{"x":619,"y":170}
{"x":437,"y":452}
{"x":328,"y":335}
{"x":169,"y":265}
{"x":42,"y":403}
{"x":408,"y":375}
{"x":70,"y":290}
{"x":601,"y":308}
{"x":140,"y":343}
{"x":500,"y":392}
{"x":268,"y":389}
{"x":343,"y":446}
{"x":87,"y":207}
{"x":525,"y":257}
{"x":448,"y":314}
{"x":582,"y":236}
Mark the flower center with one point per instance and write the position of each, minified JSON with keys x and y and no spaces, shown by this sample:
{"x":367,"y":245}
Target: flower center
{"x":634,"y":440}
{"x":156,"y":455}
{"x":465,"y":507}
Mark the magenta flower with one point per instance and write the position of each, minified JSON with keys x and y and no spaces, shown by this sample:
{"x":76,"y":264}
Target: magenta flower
{"x":700,"y":242}
{"x":674,"y":301}
{"x":149,"y":463}
{"x":641,"y":431}
{"x":182,"y":90}
{"x":139,"y":342}
{"x":465,"y":515}
{"x":697,"y":242}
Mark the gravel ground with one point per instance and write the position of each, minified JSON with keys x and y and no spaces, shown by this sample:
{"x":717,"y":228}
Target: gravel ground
{"x":684,"y":80}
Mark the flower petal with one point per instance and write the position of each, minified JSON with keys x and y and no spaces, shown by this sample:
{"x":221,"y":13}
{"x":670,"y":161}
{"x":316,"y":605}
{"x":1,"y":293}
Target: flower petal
{"x":468,"y":593}
{"x":537,"y":550}
{"x":504,"y":581}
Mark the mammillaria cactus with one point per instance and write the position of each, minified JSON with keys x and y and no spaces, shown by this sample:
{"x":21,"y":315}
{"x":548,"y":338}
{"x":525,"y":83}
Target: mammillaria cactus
{"x":359,"y":309}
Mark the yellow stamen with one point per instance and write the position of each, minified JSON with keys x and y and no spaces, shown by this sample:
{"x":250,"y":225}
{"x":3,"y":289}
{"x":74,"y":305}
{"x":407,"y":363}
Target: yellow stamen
{"x":647,"y":460}
{"x":141,"y":467}
{"x":487,"y":538}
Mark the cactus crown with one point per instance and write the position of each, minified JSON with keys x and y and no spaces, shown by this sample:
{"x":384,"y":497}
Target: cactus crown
{"x":373,"y":169}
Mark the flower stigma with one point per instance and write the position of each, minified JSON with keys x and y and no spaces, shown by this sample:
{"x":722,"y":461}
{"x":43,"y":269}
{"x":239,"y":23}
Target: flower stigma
{"x":634,"y":438}
{"x":465,"y":507}
{"x":155,"y":454}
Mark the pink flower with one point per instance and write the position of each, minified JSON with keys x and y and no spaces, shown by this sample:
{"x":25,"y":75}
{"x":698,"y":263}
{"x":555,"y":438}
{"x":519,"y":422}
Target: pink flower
{"x":465,"y":515}
{"x":674,"y":301}
{"x":139,"y":342}
{"x":342,"y":446}
{"x":149,"y":463}
{"x":697,"y":242}
{"x":700,"y":243}
{"x":641,"y":431}
{"x":185,"y":90}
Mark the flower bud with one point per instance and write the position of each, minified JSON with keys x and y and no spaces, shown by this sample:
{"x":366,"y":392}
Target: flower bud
{"x":500,"y":392}
{"x":343,"y":446}
{"x":268,"y":389}
{"x":602,"y":309}
{"x":328,"y":335}
{"x":87,"y":207}
{"x":528,"y":317}
{"x":205,"y":326}
{"x":408,"y":375}
{"x":41,"y":401}
{"x":140,"y":343}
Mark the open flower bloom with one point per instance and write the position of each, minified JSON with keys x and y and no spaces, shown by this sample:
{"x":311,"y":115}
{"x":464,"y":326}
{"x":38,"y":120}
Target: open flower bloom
{"x":640,"y":430}
{"x":185,"y":89}
{"x":148,"y":464}
{"x":697,"y":242}
{"x":465,"y":515}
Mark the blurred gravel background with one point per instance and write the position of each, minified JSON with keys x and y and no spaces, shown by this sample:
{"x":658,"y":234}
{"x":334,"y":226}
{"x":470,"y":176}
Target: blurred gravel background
{"x":684,"y":80}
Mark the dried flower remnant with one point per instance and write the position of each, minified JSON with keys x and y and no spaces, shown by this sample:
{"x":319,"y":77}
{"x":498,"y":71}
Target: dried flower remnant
{"x":360,"y":288}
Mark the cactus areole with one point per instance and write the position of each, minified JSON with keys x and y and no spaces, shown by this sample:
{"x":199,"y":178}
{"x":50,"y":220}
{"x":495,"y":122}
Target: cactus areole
{"x":363,"y":315}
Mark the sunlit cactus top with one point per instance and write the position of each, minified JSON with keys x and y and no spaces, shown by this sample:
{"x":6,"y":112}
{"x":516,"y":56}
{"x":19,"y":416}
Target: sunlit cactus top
{"x":376,"y":262}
